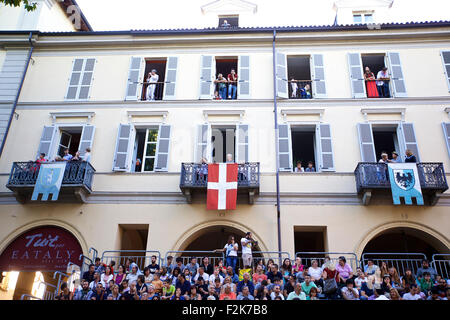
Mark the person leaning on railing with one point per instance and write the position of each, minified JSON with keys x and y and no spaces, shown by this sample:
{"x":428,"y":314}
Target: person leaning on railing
{"x":383,"y":83}
{"x":371,"y":87}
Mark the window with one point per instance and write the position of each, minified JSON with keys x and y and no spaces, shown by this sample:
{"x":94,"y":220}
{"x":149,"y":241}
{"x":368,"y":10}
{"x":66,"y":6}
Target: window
{"x":393,"y":86}
{"x":305,"y":143}
{"x":142,"y":149}
{"x":81,"y":79}
{"x":377,"y":138}
{"x":223,"y":142}
{"x":70,"y":138}
{"x":309,"y":239}
{"x":211,"y":87}
{"x":300,"y":76}
{"x":162,"y":83}
{"x":363,"y":17}
{"x":228,"y":22}
{"x":446,"y":61}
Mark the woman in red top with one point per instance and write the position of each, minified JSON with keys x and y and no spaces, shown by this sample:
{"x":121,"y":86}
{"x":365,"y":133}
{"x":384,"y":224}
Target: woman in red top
{"x":120,"y":275}
{"x":371,"y":86}
{"x":330,"y":288}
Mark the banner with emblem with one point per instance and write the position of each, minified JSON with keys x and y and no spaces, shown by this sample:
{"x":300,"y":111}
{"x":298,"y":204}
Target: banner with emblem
{"x":405,"y":183}
{"x":49,"y":180}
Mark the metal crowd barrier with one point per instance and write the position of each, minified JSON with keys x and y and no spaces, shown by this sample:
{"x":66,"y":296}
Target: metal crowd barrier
{"x":48,"y":294}
{"x":441,"y":263}
{"x":62,"y":277}
{"x":400,"y":261}
{"x":308,"y":257}
{"x":141,"y":257}
{"x":213,"y":256}
{"x":264,"y":256}
{"x":29,"y":297}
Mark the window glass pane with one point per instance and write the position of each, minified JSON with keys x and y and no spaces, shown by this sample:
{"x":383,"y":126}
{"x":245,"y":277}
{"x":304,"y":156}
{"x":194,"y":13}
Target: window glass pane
{"x":357,"y":18}
{"x":65,"y":139}
{"x":151,"y":150}
{"x":149,"y":164}
{"x":368,"y":18}
{"x":152,"y":136}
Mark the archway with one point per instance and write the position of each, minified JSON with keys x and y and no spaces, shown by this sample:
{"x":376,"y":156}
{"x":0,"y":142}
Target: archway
{"x":37,"y":251}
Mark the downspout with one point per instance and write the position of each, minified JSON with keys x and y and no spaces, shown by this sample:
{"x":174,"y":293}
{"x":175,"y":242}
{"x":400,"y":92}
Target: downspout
{"x":275,"y":116}
{"x":18,"y":93}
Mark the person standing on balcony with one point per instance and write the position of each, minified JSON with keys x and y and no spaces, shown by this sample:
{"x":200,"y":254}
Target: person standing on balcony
{"x":294,"y":88}
{"x":383,"y":83}
{"x":371,"y":86}
{"x":232,"y":87}
{"x":152,"y":79}
{"x":67,"y":156}
{"x":310,"y":167}
{"x":231,"y":250}
{"x":395,"y":158}
{"x":87,"y":155}
{"x":305,"y":92}
{"x":410,"y":157}
{"x":41,"y":158}
{"x":247,"y":244}
{"x":299,"y":167}
{"x":222,"y":84}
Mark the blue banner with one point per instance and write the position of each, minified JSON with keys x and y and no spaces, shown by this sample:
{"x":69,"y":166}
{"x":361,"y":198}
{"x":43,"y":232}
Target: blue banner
{"x":405,"y":183}
{"x":49,"y":180}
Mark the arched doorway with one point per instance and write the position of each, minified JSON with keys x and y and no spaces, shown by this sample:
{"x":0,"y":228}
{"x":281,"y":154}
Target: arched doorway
{"x":402,"y":247}
{"x":36,"y":254}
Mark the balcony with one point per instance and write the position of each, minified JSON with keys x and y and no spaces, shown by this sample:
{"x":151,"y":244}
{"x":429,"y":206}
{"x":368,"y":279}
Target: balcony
{"x":373,"y":91}
{"x":76,"y":183}
{"x":300,"y":89}
{"x":191,"y":181}
{"x":371,"y":178}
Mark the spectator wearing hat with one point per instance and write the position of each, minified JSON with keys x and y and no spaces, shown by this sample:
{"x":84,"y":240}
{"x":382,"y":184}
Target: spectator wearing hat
{"x":395,"y":158}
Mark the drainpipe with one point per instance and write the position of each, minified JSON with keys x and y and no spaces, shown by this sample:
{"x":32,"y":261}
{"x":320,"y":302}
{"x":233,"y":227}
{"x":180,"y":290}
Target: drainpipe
{"x":275,"y":116}
{"x":18,"y":93}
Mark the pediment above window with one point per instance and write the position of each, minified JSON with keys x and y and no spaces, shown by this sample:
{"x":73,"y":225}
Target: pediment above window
{"x":225,"y":7}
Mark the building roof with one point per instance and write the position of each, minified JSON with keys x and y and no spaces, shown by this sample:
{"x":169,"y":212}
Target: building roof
{"x":64,"y":4}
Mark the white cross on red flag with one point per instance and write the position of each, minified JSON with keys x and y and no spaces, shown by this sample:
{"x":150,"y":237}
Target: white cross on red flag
{"x":222,"y":186}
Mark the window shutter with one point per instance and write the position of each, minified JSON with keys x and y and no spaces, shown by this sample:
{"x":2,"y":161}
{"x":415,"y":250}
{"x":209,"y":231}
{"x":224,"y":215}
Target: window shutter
{"x":397,"y":79}
{"x":206,"y":77}
{"x":446,"y":128}
{"x":135,"y":75}
{"x":80,"y":81}
{"x":203,"y":145}
{"x":356,"y":76}
{"x":242,"y":143}
{"x":366,"y":142}
{"x":325,"y":147}
{"x":162,"y":149}
{"x":284,"y":147}
{"x":408,"y":138}
{"x":171,"y":78}
{"x":318,"y":76}
{"x":244,"y":77}
{"x":122,"y":148}
{"x":446,"y":61}
{"x":281,"y":75}
{"x":46,"y":143}
{"x":87,"y":138}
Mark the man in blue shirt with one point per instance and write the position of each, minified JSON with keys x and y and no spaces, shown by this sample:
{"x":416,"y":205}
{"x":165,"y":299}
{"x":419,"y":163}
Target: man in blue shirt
{"x":230,"y":273}
{"x":67,"y":156}
{"x":184,"y":285}
{"x":246,"y":282}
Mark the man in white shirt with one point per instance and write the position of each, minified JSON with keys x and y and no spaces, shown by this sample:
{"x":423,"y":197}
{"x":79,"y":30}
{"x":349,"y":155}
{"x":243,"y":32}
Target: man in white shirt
{"x":247,"y":244}
{"x":201,"y":273}
{"x":152,"y":79}
{"x":383,"y":83}
{"x":412,"y":294}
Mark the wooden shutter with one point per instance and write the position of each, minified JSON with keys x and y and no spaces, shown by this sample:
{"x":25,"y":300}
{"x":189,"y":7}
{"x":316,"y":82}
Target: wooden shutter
{"x":243,"y":89}
{"x":408,"y":138}
{"x":323,"y":136}
{"x":397,"y":79}
{"x":446,"y":128}
{"x":162,"y":148}
{"x":80,"y":81}
{"x":121,"y":154}
{"x":135,"y":75}
{"x":366,"y":142}
{"x":87,"y":138}
{"x":203,"y":144}
{"x":242,"y":143}
{"x":356,"y":76}
{"x":206,"y":77}
{"x":281,"y":75}
{"x":318,"y":76}
{"x":446,"y":61}
{"x":284,"y":147}
{"x":171,"y":78}
{"x":46,"y":143}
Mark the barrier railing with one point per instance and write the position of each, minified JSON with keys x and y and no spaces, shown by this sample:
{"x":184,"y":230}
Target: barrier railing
{"x":264,"y":256}
{"x":29,"y":297}
{"x":441,"y":263}
{"x":141,"y":257}
{"x":400,"y":261}
{"x":85,"y":262}
{"x":213,"y":256}
{"x":300,"y":89}
{"x":49,"y":290}
{"x":308,"y":257}
{"x":62,"y":277}
{"x":152,"y":91}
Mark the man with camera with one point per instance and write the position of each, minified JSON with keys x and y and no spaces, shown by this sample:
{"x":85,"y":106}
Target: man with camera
{"x":247,"y":244}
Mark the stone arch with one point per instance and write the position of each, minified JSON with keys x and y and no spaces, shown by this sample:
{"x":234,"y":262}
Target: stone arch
{"x":435,"y":236}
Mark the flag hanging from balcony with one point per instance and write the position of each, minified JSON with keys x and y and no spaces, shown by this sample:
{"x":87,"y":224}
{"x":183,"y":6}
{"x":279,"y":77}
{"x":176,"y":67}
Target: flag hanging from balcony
{"x":405,"y":182}
{"x":49,"y":180}
{"x":222,"y":186}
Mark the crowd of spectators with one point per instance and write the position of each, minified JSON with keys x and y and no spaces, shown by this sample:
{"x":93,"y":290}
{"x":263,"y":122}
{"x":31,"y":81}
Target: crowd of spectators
{"x":201,"y":280}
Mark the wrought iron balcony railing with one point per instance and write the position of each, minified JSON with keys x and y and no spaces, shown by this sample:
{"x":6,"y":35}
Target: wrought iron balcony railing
{"x":78,"y":174}
{"x":195,"y":176}
{"x":372,"y":176}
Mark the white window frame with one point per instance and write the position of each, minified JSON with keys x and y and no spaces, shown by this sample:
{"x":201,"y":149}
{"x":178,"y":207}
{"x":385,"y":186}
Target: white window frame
{"x":146,"y":143}
{"x":317,"y":158}
{"x":228,"y":125}
{"x":57,"y":138}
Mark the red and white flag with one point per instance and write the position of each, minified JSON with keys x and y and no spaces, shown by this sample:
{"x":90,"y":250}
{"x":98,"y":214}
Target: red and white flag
{"x":222,"y":186}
